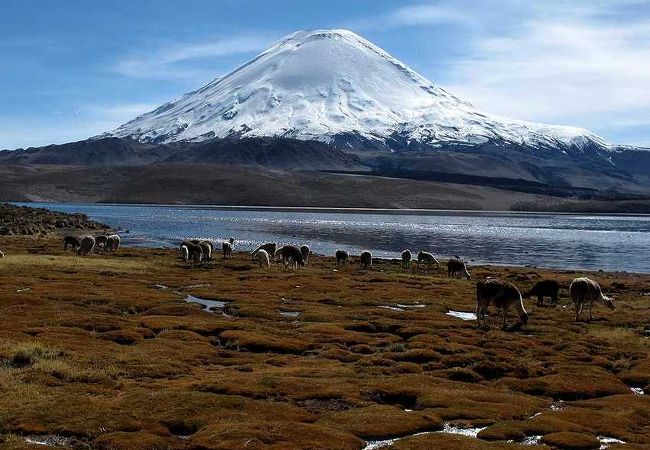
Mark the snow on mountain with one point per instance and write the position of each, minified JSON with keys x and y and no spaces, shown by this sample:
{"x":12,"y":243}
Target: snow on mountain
{"x":317,"y":85}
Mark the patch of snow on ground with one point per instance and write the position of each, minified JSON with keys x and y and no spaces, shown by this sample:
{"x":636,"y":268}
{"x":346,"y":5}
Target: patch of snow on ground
{"x":462,"y":315}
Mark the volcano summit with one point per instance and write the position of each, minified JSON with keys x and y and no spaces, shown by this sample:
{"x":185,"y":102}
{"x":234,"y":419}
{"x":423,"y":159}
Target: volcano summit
{"x":335,"y":87}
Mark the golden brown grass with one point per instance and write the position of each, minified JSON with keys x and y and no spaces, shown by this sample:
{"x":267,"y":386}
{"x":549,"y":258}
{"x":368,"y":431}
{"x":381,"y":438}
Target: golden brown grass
{"x":91,"y":349}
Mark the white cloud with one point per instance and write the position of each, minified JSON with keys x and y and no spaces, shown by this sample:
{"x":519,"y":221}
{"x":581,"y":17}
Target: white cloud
{"x":559,"y":71}
{"x":174,"y":61}
{"x":413,"y":15}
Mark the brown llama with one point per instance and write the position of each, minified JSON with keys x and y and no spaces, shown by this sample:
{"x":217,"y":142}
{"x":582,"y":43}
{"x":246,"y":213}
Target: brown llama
{"x":544,"y":288}
{"x":501,"y":294}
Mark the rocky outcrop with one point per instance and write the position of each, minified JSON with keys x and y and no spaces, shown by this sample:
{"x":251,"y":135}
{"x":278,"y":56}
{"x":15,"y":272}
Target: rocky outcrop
{"x":25,"y":221}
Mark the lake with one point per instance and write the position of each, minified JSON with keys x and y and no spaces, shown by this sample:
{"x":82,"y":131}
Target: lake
{"x":572,"y":241}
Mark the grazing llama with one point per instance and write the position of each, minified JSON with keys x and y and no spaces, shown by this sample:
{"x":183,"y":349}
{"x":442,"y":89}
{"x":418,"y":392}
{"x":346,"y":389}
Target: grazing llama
{"x":269,"y":247}
{"x":228,"y":248}
{"x":113,"y":243}
{"x":71,"y":241}
{"x":544,"y":288}
{"x":290,"y":254}
{"x":342,"y":257}
{"x":365,"y":259}
{"x":501,"y":294}
{"x":185,"y":252}
{"x":428,"y":258}
{"x":587,"y":291}
{"x":406,"y":259}
{"x":206,"y":248}
{"x":305,"y":252}
{"x":263,"y":258}
{"x":457,"y":268}
{"x":101,"y":242}
{"x":86,"y":245}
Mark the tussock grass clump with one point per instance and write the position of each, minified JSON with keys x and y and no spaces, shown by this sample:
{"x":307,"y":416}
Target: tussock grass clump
{"x":272,"y":435}
{"x":27,"y":353}
{"x":262,"y":342}
{"x":382,"y":421}
{"x":71,"y":372}
{"x":122,"y":440}
{"x":571,"y":441}
{"x":463,"y":374}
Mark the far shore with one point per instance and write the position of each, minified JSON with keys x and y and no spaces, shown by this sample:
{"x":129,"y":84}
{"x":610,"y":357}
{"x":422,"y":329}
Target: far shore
{"x":337,"y":210}
{"x":245,"y":187}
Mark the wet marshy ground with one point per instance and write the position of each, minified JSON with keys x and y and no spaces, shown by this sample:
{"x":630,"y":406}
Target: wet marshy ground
{"x":140,"y":350}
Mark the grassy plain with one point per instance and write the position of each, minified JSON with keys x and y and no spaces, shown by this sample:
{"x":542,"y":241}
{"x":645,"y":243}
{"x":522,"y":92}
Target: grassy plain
{"x":104,"y":352}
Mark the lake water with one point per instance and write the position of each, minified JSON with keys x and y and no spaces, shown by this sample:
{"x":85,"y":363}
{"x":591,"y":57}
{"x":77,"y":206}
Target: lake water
{"x":608,"y":242}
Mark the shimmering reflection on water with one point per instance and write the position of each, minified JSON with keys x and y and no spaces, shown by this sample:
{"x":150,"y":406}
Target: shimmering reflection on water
{"x":607,"y":242}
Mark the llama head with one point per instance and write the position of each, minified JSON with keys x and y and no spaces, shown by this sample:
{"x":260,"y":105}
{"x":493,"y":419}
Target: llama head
{"x":524,"y":318}
{"x":609,"y":302}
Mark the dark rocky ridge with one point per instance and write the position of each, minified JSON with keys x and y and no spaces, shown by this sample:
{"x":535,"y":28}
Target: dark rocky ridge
{"x":588,"y":173}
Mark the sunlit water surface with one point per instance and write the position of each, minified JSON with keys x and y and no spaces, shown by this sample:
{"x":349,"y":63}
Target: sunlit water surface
{"x":608,"y":242}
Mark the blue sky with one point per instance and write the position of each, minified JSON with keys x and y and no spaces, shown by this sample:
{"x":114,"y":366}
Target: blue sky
{"x":74,"y":68}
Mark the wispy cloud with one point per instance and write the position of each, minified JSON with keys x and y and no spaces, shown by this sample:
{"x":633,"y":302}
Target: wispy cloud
{"x":560,"y":71}
{"x":174,"y":61}
{"x":412,"y":15}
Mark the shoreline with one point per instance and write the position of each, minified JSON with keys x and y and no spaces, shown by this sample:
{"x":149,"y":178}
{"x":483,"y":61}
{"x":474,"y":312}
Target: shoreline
{"x":383,"y":259}
{"x":339,"y":210}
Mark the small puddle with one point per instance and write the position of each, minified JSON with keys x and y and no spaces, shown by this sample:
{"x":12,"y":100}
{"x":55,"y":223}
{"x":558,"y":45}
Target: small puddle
{"x":447,"y":429}
{"x":470,"y":432}
{"x":531,"y":440}
{"x":161,"y":287}
{"x":210,"y":305}
{"x":192,"y":286}
{"x":605,"y":441}
{"x":637,"y":391}
{"x":23,"y":290}
{"x":291,"y":314}
{"x":52,"y":440}
{"x":462,"y":315}
{"x":392,"y":308}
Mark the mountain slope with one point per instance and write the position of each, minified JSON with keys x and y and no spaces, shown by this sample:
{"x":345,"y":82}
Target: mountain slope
{"x":336,"y":87}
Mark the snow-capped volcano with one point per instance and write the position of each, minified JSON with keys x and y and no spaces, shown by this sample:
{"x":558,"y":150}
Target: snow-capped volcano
{"x":322,"y":85}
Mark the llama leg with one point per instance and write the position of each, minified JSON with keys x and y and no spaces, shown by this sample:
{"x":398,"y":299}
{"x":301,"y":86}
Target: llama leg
{"x":504,"y":312}
{"x":540,"y":300}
